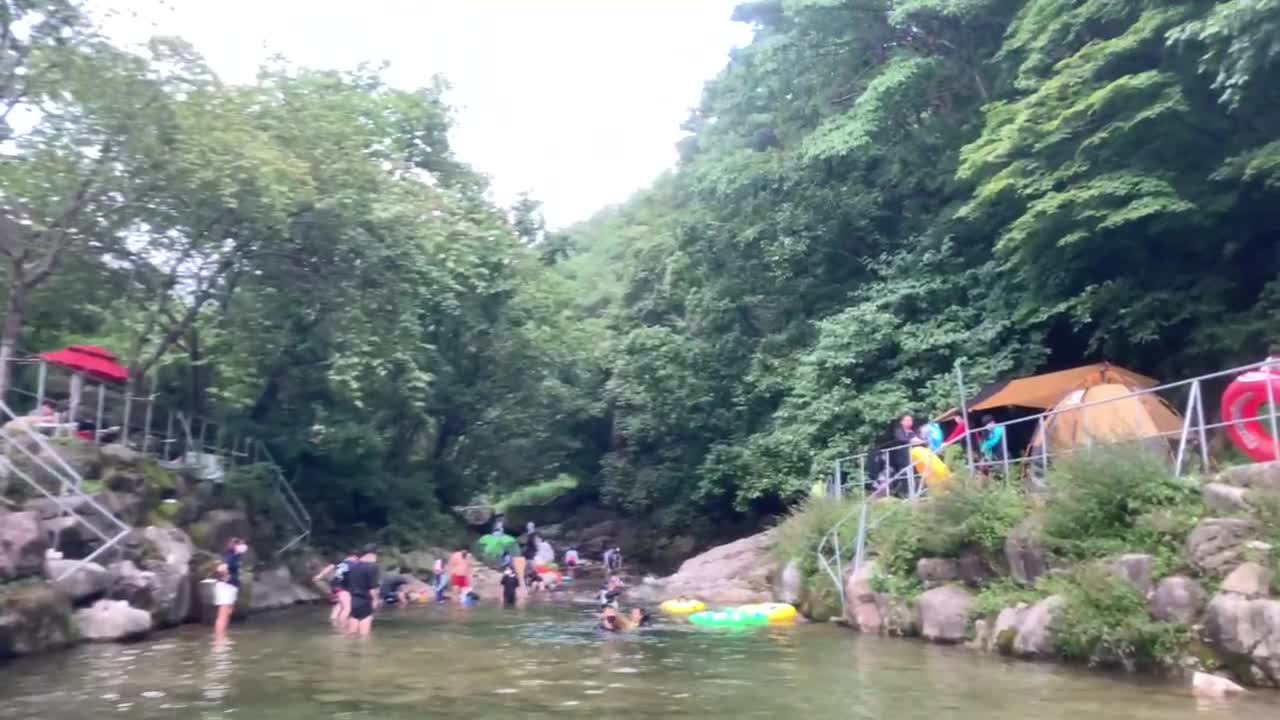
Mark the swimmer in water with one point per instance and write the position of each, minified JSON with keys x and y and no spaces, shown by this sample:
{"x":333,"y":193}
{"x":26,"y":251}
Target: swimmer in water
{"x":614,"y":621}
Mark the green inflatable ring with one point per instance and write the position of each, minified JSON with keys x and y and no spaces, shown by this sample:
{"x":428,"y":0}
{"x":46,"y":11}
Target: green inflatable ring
{"x":728,"y":618}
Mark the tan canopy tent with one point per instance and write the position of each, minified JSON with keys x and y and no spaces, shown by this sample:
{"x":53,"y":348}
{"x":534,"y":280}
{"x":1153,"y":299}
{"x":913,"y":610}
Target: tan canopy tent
{"x":1044,"y":391}
{"x":1106,"y":413}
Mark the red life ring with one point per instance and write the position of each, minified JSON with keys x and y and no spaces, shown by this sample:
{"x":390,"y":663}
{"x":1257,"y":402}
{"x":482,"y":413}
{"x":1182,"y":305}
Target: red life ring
{"x":1242,"y":405}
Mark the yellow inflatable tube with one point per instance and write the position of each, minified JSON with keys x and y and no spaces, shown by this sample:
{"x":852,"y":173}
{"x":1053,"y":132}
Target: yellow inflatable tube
{"x":682,"y":606}
{"x":776,"y":612}
{"x":936,"y":474}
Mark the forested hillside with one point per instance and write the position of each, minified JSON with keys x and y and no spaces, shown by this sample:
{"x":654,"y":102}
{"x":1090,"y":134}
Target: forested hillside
{"x":874,"y":190}
{"x":870,"y":192}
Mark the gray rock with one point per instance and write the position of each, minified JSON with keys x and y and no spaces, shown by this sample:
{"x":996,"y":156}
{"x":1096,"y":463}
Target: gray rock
{"x":897,"y":617}
{"x":1025,"y":552}
{"x":171,"y":595}
{"x":944,"y":614}
{"x":731,"y":574}
{"x":167,"y":546}
{"x":1250,"y":580}
{"x":112,"y":620}
{"x":85,"y":581}
{"x":121,"y":454}
{"x":1005,"y":629}
{"x":1224,"y":498}
{"x":1216,"y":545}
{"x":1258,"y":476}
{"x":1034,"y":634}
{"x":861,"y":609}
{"x":937,"y":571}
{"x":1247,"y":633}
{"x":476,"y":515}
{"x":1178,"y":599}
{"x":790,"y":587}
{"x":1134,"y":568}
{"x":22,"y":545}
{"x":34,"y":618}
{"x":975,"y":569}
{"x":275,"y":588}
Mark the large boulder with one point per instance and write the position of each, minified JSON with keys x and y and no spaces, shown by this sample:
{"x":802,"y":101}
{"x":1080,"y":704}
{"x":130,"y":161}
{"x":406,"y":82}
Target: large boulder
{"x":34,"y":618}
{"x":1217,"y":545}
{"x":1247,"y":633}
{"x":22,"y":545}
{"x":731,"y":574}
{"x":1251,"y":580}
{"x":861,"y":610}
{"x":944,"y":614}
{"x":167,"y":546}
{"x":1033,"y":635}
{"x":897,"y":616}
{"x":1136,"y":569}
{"x":275,"y":588}
{"x":1222,"y":498}
{"x":1025,"y":552}
{"x":790,"y":585}
{"x":112,"y":620}
{"x":164,"y":590}
{"x":1005,"y":629}
{"x":81,"y":581}
{"x":1258,"y":476}
{"x":1178,"y":599}
{"x":937,"y":571}
{"x":215,"y":527}
{"x":975,"y":568}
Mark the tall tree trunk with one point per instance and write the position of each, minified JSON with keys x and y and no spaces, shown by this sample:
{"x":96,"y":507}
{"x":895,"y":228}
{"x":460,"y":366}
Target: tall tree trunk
{"x":11,"y":333}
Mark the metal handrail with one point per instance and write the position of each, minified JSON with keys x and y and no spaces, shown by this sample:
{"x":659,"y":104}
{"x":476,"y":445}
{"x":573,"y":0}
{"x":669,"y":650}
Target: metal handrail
{"x":292,"y":503}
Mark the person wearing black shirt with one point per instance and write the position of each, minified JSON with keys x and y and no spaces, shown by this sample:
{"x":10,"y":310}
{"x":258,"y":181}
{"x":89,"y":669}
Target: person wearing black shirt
{"x":510,"y":583}
{"x":362,"y":583}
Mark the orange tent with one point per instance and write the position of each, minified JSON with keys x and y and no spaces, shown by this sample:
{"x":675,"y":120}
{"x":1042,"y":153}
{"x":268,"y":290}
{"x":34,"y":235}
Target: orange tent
{"x":1044,"y":391}
{"x":1106,"y":413}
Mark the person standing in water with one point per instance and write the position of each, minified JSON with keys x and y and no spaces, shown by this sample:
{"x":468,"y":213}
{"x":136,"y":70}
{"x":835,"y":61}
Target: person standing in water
{"x":336,"y":574}
{"x":510,"y":585}
{"x":460,"y":573}
{"x":225,"y":595}
{"x":363,"y":584}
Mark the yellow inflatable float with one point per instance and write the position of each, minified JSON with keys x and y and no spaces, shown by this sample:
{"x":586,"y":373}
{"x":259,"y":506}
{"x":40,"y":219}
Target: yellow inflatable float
{"x":682,"y":606}
{"x":776,"y":612}
{"x":936,"y":474}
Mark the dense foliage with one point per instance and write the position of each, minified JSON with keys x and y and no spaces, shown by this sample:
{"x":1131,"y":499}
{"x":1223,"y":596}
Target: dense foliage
{"x":871,"y":192}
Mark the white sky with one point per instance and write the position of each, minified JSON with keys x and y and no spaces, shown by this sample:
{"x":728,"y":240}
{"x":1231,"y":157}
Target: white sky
{"x":577,"y":101}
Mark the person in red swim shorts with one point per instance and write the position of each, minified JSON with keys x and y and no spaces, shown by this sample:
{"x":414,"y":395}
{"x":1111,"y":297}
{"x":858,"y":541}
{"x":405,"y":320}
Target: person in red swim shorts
{"x":460,"y":573}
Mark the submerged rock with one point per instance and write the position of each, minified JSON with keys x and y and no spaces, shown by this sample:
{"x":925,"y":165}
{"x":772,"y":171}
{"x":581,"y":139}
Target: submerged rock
{"x":1178,"y":599}
{"x":112,"y":620}
{"x":944,"y":614}
{"x":1204,"y":685}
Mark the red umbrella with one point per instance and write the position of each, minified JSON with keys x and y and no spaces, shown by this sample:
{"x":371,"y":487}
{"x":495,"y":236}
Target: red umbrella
{"x":96,"y":362}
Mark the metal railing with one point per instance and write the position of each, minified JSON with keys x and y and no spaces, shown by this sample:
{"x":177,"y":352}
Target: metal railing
{"x":17,"y":439}
{"x":1188,"y":394}
{"x":292,"y":504}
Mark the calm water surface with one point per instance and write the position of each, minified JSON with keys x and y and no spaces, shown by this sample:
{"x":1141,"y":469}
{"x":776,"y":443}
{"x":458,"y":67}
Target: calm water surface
{"x":547,"y":662}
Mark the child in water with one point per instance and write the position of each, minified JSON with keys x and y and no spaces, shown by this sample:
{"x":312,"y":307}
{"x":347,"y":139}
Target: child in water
{"x":510,"y":584}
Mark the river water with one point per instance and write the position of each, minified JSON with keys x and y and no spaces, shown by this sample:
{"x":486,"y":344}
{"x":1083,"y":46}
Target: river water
{"x":544,"y":662}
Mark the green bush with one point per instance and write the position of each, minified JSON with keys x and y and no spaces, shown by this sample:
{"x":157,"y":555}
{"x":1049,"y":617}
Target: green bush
{"x":1116,"y":499}
{"x":1105,"y":620}
{"x":797,"y":537}
{"x":1002,"y":594}
{"x":972,"y":516}
{"x":897,"y":536}
{"x":1266,"y":514}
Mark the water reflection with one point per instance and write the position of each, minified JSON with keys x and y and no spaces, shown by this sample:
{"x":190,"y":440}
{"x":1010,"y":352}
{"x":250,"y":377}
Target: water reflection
{"x":551,"y":662}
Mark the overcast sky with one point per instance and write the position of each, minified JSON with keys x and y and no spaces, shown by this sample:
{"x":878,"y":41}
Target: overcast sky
{"x":578,"y":101}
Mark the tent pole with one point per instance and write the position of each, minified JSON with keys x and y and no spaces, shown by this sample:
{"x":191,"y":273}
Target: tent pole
{"x":964,"y":416}
{"x":77,"y":389}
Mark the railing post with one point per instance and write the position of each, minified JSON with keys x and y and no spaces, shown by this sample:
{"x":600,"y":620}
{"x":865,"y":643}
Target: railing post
{"x":128,"y":407}
{"x":1192,"y":397}
{"x":1044,"y":448}
{"x":97,"y":424}
{"x":1271,"y":411}
{"x":151,"y":405}
{"x":862,"y":476}
{"x":77,"y":392}
{"x":1004,"y":449}
{"x":168,"y":438}
{"x":835,"y":481}
{"x":964,"y":416}
{"x":889,"y":472}
{"x":1203,"y":432}
{"x":42,"y":377}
